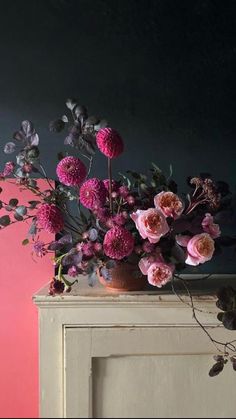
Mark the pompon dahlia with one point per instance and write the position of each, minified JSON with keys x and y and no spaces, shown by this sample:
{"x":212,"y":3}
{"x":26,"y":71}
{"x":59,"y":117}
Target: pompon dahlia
{"x":9,"y":168}
{"x":49,"y":217}
{"x":93,"y":194}
{"x":110,"y":142}
{"x":71,"y":171}
{"x":118,"y":243}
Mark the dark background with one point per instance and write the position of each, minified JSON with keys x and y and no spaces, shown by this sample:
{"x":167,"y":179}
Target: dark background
{"x":162,"y":72}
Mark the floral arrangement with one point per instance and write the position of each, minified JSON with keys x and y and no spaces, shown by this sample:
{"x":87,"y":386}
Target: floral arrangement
{"x":138,"y":218}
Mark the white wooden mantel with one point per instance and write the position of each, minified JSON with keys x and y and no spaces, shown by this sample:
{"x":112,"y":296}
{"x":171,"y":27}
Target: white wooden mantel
{"x":139,"y":354}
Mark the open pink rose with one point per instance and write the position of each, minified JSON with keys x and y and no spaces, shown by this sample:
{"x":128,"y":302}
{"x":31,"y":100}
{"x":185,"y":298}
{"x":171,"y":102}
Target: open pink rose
{"x":210,"y":227}
{"x":159,"y":274}
{"x":200,"y":249}
{"x":169,"y":204}
{"x":151,"y":224}
{"x":145,"y":263}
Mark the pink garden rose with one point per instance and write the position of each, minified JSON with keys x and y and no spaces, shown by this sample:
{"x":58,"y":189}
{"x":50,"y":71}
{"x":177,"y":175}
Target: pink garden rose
{"x":200,"y":249}
{"x":169,"y":204}
{"x":159,"y":274}
{"x":210,"y":227}
{"x":151,"y":224}
{"x":145,"y":263}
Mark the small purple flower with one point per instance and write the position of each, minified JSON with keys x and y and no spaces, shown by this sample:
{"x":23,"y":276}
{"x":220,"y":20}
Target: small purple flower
{"x":88,"y":249}
{"x":73,"y":271}
{"x":39,"y":249}
{"x":124,"y":191}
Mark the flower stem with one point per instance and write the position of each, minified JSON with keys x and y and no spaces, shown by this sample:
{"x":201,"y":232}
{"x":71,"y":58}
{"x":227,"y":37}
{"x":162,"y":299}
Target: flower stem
{"x":110,"y":185}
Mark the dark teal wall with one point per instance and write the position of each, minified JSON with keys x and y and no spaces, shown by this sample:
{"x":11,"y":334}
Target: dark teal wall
{"x":163,"y":72}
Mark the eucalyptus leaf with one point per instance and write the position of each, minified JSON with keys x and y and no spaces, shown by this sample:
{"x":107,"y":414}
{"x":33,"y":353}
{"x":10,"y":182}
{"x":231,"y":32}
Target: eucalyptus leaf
{"x":93,"y":234}
{"x":66,"y":239}
{"x":19,"y":172}
{"x":92,"y":120}
{"x":9,"y":148}
{"x":34,"y":139}
{"x":92,"y":279}
{"x":33,"y":204}
{"x":5,"y":220}
{"x":19,"y":136}
{"x":27,"y":128}
{"x":71,"y":103}
{"x":216,"y":369}
{"x":229,"y":320}
{"x":102,"y":124}
{"x":33,"y":229}
{"x":21,"y":210}
{"x":65,"y":119}
{"x":18,"y":217}
{"x":13,"y":202}
{"x":106,"y":273}
{"x":57,"y":125}
{"x":80,"y":110}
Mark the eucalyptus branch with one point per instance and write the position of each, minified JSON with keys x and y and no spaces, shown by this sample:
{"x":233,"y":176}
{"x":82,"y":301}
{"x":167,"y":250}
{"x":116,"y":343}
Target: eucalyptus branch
{"x":45,"y":176}
{"x":227,"y":346}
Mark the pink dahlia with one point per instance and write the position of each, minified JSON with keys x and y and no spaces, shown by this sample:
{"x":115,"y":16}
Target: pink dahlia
{"x":8,"y":169}
{"x":71,"y":171}
{"x":49,"y":217}
{"x":93,"y":194}
{"x":118,"y":243}
{"x":110,"y":142}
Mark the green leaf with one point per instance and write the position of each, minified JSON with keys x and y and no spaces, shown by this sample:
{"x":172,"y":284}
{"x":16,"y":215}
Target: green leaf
{"x":157,"y":169}
{"x":5,"y":221}
{"x":126,"y":179}
{"x":25,"y":242}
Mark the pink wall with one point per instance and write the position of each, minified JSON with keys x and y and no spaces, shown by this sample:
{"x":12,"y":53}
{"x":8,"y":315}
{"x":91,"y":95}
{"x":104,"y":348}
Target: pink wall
{"x":20,"y":278}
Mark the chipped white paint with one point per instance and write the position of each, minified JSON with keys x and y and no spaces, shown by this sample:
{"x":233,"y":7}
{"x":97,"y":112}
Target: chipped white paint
{"x":129,"y":355}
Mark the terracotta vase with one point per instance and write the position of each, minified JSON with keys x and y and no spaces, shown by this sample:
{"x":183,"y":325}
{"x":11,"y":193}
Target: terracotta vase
{"x":125,"y":277}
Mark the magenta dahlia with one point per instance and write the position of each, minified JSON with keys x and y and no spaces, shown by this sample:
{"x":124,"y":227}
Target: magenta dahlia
{"x":110,"y":142}
{"x":93,"y":194}
{"x":49,"y":217}
{"x":118,"y":243}
{"x":8,"y":169}
{"x":71,"y":171}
